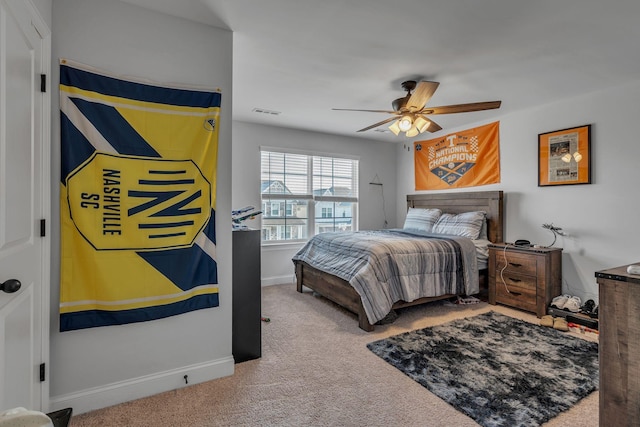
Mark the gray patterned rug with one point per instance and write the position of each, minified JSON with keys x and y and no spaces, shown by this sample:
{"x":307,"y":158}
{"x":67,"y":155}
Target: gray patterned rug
{"x":498,"y":370}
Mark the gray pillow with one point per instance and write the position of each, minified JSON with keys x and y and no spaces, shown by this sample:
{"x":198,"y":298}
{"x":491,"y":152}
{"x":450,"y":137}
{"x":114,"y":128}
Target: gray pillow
{"x":421,"y":219}
{"x":467,"y":224}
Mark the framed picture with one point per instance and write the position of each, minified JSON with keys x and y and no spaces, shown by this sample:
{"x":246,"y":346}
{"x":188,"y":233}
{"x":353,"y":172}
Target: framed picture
{"x":564,"y":156}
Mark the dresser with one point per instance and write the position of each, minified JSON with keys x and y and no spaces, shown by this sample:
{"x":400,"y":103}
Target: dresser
{"x":247,"y":293}
{"x":619,"y":346}
{"x":526,"y":278}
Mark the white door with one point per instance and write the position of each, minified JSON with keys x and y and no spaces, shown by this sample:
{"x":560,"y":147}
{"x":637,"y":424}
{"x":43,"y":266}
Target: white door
{"x":22,"y":205}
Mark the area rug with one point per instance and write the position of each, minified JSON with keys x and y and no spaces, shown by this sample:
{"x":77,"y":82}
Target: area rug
{"x":498,"y":370}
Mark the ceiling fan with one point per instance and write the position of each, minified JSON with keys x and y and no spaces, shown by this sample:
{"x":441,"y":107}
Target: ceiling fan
{"x":410,"y":112}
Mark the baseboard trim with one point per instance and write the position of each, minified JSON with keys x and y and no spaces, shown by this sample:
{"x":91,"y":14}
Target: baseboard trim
{"x":278,"y":280}
{"x":136,"y":388}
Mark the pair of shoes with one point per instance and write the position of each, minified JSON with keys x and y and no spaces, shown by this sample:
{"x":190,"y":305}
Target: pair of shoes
{"x":567,"y":302}
{"x":559,"y":323}
{"x":590,"y":309}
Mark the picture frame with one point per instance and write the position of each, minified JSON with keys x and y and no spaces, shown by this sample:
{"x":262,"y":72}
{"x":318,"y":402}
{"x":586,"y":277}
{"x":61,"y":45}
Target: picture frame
{"x":564,"y":156}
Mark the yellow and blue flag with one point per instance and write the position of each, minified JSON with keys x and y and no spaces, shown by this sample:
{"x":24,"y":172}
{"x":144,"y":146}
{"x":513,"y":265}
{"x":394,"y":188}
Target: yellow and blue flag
{"x":137,"y":199}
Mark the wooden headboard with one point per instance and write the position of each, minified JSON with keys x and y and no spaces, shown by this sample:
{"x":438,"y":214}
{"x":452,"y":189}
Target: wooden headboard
{"x":490,"y":202}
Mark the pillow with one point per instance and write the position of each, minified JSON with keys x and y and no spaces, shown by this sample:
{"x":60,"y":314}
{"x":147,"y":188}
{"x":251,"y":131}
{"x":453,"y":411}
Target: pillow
{"x":467,"y":224}
{"x":483,"y":231}
{"x":421,"y":219}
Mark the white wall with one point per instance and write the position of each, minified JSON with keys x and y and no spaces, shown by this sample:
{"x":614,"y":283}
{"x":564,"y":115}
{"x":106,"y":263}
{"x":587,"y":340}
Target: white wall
{"x":44,"y":9}
{"x":602,"y":217}
{"x":376,"y":158}
{"x":98,"y":367}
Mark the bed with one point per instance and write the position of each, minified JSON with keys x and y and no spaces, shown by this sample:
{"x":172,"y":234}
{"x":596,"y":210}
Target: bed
{"x":341,"y":292}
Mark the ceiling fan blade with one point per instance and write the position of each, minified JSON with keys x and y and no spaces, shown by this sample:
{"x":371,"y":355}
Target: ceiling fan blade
{"x":421,"y":95}
{"x":390,"y":119}
{"x":462,"y":108}
{"x":366,"y":111}
{"x":433,"y":127}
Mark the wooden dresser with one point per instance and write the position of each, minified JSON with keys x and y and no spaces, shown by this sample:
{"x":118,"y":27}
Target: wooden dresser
{"x":524,"y":277}
{"x":619,"y":347}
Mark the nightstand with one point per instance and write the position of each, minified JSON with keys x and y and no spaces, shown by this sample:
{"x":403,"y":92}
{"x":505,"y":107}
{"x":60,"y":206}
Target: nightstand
{"x":527,"y":278}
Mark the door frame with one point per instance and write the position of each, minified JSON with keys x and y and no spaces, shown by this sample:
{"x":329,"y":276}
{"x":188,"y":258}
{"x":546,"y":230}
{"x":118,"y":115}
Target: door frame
{"x":45,"y":64}
{"x":47,"y":179}
{"x":43,"y":132}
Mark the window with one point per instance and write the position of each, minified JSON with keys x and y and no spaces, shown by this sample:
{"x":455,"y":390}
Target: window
{"x":275,"y":209}
{"x":304,"y":194}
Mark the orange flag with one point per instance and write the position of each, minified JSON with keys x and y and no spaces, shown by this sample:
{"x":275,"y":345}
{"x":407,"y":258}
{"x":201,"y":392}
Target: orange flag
{"x":463,"y":159}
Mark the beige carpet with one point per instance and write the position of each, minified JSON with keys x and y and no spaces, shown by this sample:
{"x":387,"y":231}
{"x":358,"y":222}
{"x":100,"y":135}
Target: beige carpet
{"x":317,"y":371}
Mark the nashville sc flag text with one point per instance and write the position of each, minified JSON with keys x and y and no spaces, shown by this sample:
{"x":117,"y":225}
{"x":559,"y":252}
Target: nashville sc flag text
{"x":137,"y":199}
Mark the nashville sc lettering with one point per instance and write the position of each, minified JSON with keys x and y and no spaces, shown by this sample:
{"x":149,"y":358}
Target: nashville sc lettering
{"x":111,"y":219}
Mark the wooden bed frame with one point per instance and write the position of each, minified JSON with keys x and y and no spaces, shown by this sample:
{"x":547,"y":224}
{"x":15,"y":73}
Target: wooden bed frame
{"x":343,"y":294}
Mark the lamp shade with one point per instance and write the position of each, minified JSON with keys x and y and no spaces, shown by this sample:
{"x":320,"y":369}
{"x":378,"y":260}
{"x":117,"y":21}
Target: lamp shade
{"x":412,"y":132}
{"x":566,"y":158}
{"x":405,"y":123}
{"x":577,"y":156}
{"x":394,"y":127}
{"x":422,"y":124}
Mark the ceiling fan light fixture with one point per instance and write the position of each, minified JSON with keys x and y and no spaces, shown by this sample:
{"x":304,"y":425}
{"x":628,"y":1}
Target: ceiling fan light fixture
{"x":394,"y":127}
{"x":422,"y":124}
{"x":405,"y":123}
{"x":411,"y":112}
{"x":566,"y":158}
{"x":412,"y":132}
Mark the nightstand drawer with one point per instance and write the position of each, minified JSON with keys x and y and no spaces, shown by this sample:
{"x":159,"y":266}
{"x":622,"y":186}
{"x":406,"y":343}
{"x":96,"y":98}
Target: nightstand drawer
{"x":522,"y":292}
{"x":525,"y":283}
{"x":516,"y":263}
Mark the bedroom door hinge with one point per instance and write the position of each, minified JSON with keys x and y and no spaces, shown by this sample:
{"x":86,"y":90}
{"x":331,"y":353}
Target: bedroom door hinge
{"x":43,"y":82}
{"x":43,"y":227}
{"x":42,"y":372}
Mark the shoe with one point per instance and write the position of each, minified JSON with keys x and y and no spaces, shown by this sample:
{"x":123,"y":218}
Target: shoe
{"x":547,"y":321}
{"x":560,"y":301}
{"x":572,"y":304}
{"x":560,"y":323}
{"x":587,"y":307}
{"x":594,"y":313}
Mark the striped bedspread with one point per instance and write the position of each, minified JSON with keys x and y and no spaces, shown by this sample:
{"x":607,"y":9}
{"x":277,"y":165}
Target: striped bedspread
{"x":386,"y":266}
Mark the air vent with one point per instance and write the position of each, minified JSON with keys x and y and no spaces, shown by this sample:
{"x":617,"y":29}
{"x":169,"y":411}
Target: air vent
{"x":263,"y":111}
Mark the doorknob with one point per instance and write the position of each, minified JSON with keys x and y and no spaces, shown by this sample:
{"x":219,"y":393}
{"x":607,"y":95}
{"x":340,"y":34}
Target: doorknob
{"x":10,"y":286}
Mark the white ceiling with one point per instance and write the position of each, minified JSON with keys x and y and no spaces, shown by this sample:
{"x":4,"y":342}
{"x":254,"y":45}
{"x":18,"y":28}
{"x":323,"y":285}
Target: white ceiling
{"x":304,"y":57}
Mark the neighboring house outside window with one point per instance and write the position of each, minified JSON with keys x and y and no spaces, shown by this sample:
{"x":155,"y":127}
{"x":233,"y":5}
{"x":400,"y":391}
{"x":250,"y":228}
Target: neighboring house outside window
{"x":303,"y":195}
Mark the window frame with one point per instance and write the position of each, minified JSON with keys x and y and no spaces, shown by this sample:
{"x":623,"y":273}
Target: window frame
{"x":309,"y":196}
